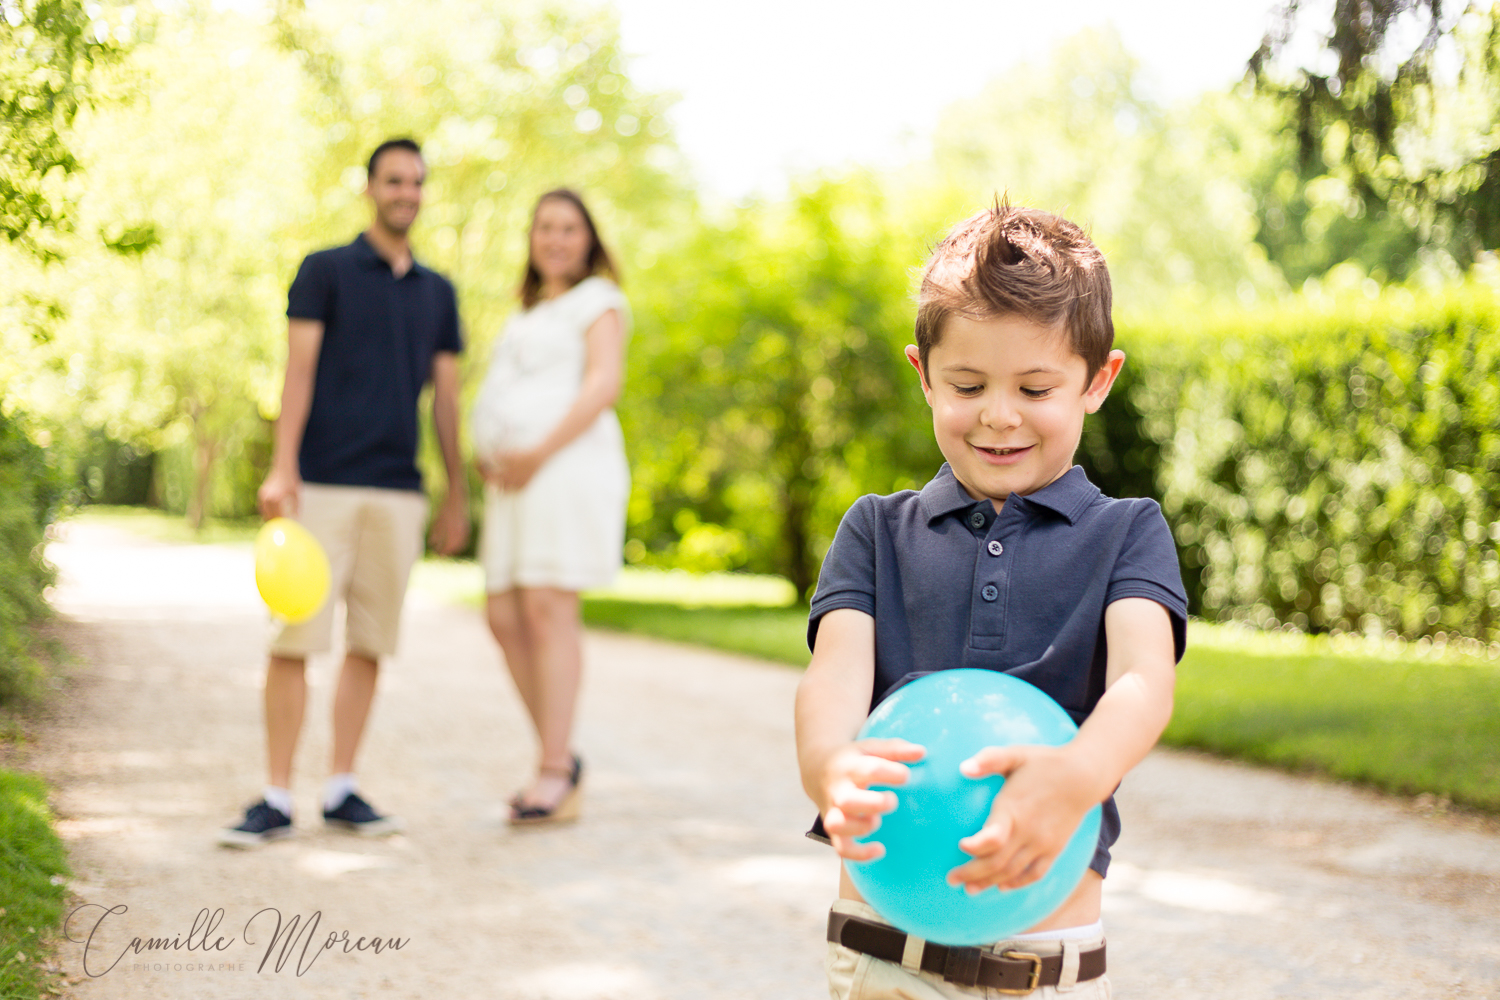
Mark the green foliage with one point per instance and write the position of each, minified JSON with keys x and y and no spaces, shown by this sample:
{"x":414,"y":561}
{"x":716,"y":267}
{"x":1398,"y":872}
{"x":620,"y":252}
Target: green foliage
{"x":1335,"y":465}
{"x":767,"y":389}
{"x":1160,"y":189}
{"x":30,"y":493}
{"x":47,"y":51}
{"x":1406,"y":722}
{"x":1388,"y":155}
{"x":166,"y":335}
{"x":33,"y":864}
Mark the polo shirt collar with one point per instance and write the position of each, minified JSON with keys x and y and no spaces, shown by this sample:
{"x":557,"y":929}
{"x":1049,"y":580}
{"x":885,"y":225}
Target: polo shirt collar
{"x":367,"y":257}
{"x":1068,"y":495}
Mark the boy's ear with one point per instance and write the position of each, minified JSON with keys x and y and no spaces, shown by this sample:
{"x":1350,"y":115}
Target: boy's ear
{"x":1104,"y":378}
{"x":915,"y":357}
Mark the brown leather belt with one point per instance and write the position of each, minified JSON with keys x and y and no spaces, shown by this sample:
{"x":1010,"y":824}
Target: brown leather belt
{"x":1012,"y":971}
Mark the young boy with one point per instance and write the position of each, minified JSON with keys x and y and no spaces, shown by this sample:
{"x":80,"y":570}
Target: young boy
{"x":1009,"y":560}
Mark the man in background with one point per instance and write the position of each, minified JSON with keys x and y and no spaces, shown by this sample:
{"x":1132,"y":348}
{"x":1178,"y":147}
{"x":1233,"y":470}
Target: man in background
{"x":368,"y":328}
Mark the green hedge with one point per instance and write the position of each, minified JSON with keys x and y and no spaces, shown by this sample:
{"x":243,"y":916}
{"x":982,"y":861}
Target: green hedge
{"x":1334,"y":466}
{"x":30,"y":492}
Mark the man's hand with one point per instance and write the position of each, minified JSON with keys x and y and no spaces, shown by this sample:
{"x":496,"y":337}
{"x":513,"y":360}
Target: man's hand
{"x":1047,"y":791}
{"x":850,"y":808}
{"x":450,"y":529}
{"x":280,"y":495}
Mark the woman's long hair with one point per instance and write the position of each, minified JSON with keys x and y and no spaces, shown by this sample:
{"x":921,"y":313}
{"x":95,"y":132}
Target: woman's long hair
{"x":599,"y":260}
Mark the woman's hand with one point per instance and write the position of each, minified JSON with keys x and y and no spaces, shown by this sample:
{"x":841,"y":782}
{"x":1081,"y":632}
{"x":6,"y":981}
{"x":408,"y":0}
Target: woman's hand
{"x":512,"y":470}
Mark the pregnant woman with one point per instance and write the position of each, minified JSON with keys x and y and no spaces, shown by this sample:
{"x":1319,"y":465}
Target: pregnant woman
{"x":553,"y":460}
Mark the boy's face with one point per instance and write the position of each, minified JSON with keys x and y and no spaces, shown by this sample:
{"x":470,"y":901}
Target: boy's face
{"x":1008,"y":398}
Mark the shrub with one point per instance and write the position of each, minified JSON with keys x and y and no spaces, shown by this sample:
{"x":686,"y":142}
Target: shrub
{"x":30,"y":493}
{"x":1335,"y":466}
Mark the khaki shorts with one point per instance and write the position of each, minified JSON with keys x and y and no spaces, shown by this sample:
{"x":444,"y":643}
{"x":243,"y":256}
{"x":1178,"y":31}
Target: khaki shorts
{"x":372,"y":537}
{"x":855,"y":976}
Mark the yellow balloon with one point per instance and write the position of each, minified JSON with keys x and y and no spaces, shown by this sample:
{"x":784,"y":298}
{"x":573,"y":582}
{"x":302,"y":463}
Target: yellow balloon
{"x":291,"y":571}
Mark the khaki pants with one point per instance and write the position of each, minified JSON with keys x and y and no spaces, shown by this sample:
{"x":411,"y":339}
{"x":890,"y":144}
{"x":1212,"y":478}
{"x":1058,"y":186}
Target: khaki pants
{"x":855,"y":976}
{"x":372,"y":537}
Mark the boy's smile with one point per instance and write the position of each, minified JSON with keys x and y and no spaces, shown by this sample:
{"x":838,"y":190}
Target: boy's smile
{"x":1008,"y":400}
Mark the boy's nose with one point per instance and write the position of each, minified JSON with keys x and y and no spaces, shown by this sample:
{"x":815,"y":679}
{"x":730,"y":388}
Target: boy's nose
{"x":999,"y":412}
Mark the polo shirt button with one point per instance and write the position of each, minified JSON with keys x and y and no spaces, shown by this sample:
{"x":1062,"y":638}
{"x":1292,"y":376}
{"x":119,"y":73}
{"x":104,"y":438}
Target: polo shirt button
{"x":977,"y":519}
{"x":990,"y":592}
{"x":995,"y":548}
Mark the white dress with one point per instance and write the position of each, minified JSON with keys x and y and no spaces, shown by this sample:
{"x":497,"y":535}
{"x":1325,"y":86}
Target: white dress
{"x":566,"y":527}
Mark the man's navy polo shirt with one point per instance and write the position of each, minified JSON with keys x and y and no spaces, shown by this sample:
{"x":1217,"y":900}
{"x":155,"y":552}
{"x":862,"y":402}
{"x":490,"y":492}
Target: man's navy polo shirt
{"x":380,"y":333}
{"x":952,"y":584}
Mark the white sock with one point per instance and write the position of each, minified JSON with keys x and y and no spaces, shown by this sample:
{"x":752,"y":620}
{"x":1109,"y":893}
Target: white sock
{"x":279,"y":799}
{"x":338,"y":788}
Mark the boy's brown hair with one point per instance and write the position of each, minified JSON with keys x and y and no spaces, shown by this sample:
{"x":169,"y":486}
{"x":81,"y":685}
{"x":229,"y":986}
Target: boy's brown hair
{"x":1009,"y":261}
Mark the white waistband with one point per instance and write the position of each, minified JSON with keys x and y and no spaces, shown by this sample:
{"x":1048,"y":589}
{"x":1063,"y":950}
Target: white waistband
{"x":1086,"y":932}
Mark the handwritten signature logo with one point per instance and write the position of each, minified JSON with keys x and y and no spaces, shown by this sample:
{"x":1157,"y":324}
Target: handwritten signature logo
{"x":295,"y":941}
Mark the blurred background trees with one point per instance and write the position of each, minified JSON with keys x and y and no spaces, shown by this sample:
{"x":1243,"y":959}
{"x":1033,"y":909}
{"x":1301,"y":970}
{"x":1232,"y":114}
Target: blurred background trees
{"x":1390,"y":155}
{"x":181,"y":159}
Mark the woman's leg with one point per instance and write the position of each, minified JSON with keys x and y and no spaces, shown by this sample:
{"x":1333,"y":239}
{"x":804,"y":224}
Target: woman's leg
{"x":508,"y":625}
{"x":556,"y":633}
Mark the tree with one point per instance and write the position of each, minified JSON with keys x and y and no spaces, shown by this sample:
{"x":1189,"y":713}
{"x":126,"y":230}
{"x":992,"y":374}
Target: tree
{"x":48,"y":49}
{"x":1161,"y":190}
{"x":767,"y":387}
{"x":174,"y":335}
{"x":1391,"y":126}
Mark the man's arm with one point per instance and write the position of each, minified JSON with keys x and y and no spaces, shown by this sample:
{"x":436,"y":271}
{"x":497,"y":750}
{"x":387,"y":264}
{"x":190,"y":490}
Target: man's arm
{"x":833,"y":699}
{"x":450,"y":529}
{"x":280,"y":493}
{"x":1048,"y":789}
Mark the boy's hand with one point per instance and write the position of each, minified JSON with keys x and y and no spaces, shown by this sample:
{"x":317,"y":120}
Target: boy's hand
{"x":851,"y":808}
{"x":1047,"y":791}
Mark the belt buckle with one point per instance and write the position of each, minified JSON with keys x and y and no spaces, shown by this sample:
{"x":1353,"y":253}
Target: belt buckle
{"x":1036,"y":971}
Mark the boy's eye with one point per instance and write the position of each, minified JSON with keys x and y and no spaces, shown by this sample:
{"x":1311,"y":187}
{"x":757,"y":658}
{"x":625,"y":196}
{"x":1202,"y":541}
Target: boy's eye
{"x":968,"y":390}
{"x":1037,"y":393}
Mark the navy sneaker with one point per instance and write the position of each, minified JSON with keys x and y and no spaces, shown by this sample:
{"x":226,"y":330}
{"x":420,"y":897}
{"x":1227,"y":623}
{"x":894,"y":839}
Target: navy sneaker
{"x":355,"y":815}
{"x":263,"y":823}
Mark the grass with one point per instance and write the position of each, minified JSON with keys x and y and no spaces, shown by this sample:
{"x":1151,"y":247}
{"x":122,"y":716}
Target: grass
{"x":33,"y":863}
{"x":1403,"y":718}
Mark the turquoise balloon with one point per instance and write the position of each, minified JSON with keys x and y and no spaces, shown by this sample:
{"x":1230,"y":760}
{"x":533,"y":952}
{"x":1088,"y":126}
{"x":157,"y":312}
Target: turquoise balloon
{"x":955,"y":713}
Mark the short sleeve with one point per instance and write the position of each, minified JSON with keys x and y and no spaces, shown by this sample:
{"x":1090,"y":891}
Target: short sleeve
{"x":449,"y":336}
{"x":847,"y":579}
{"x":597,"y":295}
{"x":311,"y":295}
{"x":1147,"y":567}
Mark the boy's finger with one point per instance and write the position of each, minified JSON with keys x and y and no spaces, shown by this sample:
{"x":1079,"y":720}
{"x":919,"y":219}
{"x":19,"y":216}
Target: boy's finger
{"x":1009,"y":870}
{"x":893,"y":749}
{"x":856,"y":801}
{"x":1024,"y":868}
{"x":1032,"y":873}
{"x":991,"y":837}
{"x":879,"y":771}
{"x":993,"y":760}
{"x":853,"y":850}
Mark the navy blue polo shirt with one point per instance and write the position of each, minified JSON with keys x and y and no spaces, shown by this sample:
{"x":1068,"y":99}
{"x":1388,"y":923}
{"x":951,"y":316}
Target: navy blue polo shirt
{"x":380,"y":333}
{"x":952,"y":584}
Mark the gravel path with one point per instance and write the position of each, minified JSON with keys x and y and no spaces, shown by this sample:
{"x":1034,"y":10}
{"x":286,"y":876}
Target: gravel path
{"x":688,"y":876}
